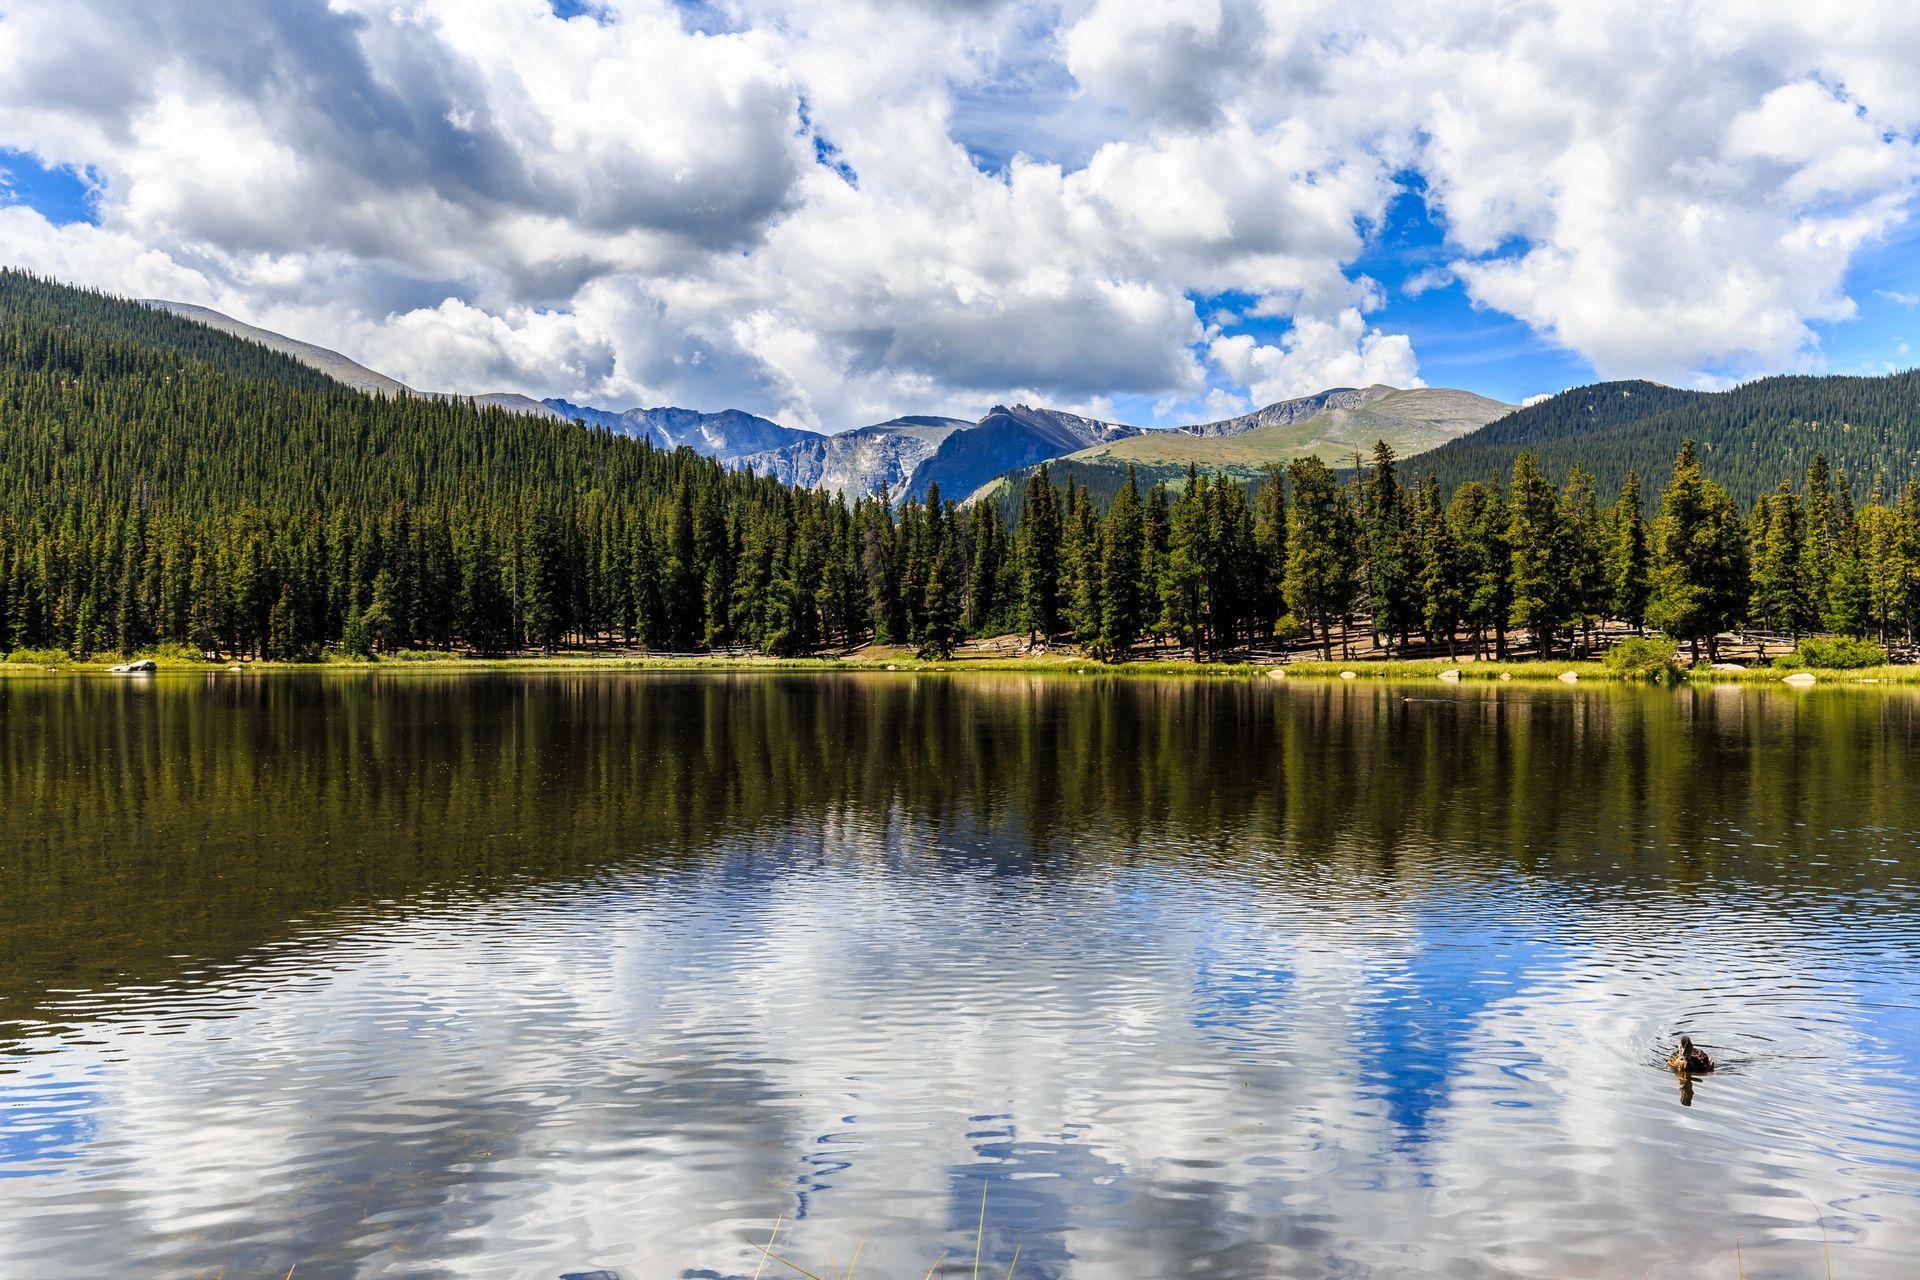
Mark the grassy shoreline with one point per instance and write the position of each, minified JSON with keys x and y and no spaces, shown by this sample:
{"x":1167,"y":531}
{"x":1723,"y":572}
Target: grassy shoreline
{"x":1527,"y":670}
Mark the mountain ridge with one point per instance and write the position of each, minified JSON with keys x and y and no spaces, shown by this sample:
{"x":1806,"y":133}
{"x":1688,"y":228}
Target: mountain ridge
{"x":907,"y":456}
{"x":1749,"y":436}
{"x":336,"y":366}
{"x":729,"y":434}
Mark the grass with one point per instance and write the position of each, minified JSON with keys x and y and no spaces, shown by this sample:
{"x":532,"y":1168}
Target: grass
{"x":1823,"y":675}
{"x":979,"y":1240}
{"x":38,"y":662}
{"x":980,"y":1234}
{"x":1430,"y":669}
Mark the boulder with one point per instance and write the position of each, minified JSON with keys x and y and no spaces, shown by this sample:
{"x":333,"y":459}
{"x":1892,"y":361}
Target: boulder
{"x":1349,"y":675}
{"x":1276,"y":674}
{"x":1451,"y":675}
{"x":1726,"y":666}
{"x":144,"y":667}
{"x":1801,"y":679}
{"x":1569,"y":677}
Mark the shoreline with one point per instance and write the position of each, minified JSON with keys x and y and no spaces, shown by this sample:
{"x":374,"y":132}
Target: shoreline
{"x":1531,"y":671}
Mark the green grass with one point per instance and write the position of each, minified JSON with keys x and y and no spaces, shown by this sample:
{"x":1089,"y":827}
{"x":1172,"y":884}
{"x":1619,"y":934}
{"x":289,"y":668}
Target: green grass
{"x":1430,"y":669}
{"x":1823,"y":675}
{"x":30,"y":663}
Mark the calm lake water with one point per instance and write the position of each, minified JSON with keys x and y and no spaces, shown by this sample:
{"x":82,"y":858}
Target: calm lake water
{"x":533,"y":976}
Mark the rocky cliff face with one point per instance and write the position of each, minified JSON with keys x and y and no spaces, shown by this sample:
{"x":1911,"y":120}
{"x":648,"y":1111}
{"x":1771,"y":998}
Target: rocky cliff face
{"x":729,"y":435}
{"x":860,"y":462}
{"x":1009,"y":437}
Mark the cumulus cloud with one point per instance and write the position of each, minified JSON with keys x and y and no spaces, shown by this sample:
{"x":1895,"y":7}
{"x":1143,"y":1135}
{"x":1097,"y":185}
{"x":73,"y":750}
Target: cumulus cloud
{"x":1316,"y":354}
{"x":784,"y":206}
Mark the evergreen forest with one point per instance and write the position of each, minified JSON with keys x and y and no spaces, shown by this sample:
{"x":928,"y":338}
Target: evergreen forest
{"x":162,"y":484}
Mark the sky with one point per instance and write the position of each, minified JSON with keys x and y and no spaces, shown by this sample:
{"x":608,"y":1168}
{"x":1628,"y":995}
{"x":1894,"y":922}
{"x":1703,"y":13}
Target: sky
{"x":1157,"y":211}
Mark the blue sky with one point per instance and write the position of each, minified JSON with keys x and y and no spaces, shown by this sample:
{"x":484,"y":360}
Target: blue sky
{"x":61,"y":195}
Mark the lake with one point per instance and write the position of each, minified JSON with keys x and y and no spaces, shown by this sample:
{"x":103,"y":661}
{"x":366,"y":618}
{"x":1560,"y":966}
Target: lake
{"x":581,"y":974}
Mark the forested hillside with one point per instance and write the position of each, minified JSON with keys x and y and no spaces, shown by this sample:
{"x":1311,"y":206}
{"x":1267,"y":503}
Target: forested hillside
{"x":1749,"y":437}
{"x":162,"y":483}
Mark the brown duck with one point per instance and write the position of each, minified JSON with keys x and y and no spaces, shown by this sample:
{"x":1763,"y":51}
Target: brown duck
{"x":1689,"y":1061}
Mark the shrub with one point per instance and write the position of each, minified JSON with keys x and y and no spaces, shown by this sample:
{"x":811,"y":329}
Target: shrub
{"x":37,"y":657}
{"x":1290,"y":628}
{"x":418,"y":655}
{"x":174,"y":651}
{"x":1643,"y":658}
{"x":1833,"y":653}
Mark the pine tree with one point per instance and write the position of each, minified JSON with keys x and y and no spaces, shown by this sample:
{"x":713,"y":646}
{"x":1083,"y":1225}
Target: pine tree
{"x":1777,"y":599}
{"x":1480,"y":522}
{"x":1039,"y":546}
{"x":1270,"y":544}
{"x":1627,"y":557}
{"x":984,"y":578}
{"x":1700,"y":580}
{"x":1584,"y":553}
{"x":940,"y":628}
{"x":1389,"y":572}
{"x":283,"y":641}
{"x":484,"y":610}
{"x":1157,"y":522}
{"x":1322,"y":550}
{"x":1183,"y":581}
{"x":1443,"y":586}
{"x":1819,"y":552}
{"x":1878,"y":540}
{"x":377,"y":618}
{"x":1907,"y":511}
{"x":1080,"y":564}
{"x":1232,"y":580}
{"x":1123,"y":593}
{"x":682,"y":572}
{"x":1538,"y":555}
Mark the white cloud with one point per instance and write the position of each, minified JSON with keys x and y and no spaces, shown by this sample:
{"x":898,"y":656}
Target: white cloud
{"x":1316,"y":354}
{"x":1425,"y":281}
{"x":622,"y":208}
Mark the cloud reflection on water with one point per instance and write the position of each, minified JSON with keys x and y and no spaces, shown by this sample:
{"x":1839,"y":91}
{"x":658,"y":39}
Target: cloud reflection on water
{"x":1341,"y":1060}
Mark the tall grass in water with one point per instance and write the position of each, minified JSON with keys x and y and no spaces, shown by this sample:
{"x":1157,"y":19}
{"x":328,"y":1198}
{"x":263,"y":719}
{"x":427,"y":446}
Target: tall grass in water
{"x":979,"y":1238}
{"x":980,"y":1233}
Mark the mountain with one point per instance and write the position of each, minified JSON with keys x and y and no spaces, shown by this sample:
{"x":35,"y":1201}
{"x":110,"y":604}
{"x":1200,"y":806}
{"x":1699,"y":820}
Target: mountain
{"x":166,"y":482}
{"x":1330,"y":425}
{"x":1007,"y":439}
{"x":910,"y":455}
{"x":859,"y":462}
{"x":1296,"y":410}
{"x":1750,"y":437}
{"x":337,"y":366}
{"x":729,"y":435}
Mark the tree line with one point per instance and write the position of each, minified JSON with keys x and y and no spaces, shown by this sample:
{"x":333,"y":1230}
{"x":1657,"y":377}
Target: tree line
{"x":164,"y":484}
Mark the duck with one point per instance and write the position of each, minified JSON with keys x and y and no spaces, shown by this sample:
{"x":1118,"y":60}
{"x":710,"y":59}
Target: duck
{"x":1689,"y":1061}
